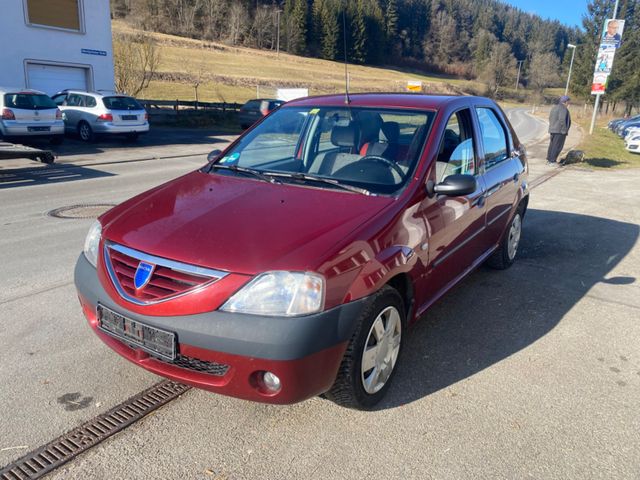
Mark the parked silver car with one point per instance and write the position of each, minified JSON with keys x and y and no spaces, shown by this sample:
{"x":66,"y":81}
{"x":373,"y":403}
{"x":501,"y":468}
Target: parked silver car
{"x":29,"y":113}
{"x":92,"y":113}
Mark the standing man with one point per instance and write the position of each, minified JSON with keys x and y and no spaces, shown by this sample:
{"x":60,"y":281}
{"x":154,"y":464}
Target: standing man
{"x":559,"y":124}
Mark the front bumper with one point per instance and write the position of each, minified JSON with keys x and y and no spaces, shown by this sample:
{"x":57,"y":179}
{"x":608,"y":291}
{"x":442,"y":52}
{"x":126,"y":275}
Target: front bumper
{"x":304,"y":352}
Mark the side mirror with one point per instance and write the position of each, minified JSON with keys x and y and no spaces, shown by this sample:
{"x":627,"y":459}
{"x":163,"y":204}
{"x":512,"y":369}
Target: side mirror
{"x":213,"y":155}
{"x":453,"y":186}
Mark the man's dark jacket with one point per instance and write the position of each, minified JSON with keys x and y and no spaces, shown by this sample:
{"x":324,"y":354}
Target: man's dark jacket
{"x":559,"y":119}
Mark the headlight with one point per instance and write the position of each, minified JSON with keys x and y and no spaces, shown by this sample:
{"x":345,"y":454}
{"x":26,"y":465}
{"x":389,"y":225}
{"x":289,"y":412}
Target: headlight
{"x":279,"y":293}
{"x":92,"y":243}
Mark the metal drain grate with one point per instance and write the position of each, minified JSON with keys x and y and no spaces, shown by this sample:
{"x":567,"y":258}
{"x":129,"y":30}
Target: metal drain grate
{"x":58,"y":452}
{"x":89,"y":210}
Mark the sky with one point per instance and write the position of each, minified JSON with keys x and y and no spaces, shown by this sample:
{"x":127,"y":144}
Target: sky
{"x":568,"y":12}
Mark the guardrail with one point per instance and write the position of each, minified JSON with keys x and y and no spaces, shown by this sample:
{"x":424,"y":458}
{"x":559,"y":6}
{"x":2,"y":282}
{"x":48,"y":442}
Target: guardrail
{"x":180,"y":106}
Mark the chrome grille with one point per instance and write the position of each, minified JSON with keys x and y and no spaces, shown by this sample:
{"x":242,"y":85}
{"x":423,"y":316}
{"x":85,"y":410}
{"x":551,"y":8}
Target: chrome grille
{"x":169,"y":279}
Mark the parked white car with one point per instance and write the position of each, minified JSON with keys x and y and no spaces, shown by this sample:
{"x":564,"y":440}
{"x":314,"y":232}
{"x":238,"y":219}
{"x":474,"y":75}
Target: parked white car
{"x":633,"y":132}
{"x":29,"y":113}
{"x":91,"y":113}
{"x":633,"y":143}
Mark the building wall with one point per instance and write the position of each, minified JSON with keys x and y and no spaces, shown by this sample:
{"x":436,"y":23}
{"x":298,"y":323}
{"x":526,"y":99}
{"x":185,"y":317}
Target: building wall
{"x":23,"y":43}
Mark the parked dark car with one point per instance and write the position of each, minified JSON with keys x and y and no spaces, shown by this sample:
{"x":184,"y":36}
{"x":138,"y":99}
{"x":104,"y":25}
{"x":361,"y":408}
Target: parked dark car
{"x":293,"y":263}
{"x":254,"y":110}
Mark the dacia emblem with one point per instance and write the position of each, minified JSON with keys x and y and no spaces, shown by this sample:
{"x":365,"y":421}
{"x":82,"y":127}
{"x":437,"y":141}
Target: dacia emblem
{"x":143,"y":275}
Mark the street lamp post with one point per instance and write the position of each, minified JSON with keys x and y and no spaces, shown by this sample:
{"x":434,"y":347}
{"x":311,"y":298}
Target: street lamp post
{"x":278,"y":34}
{"x":572,"y":47}
{"x":520,"y":62}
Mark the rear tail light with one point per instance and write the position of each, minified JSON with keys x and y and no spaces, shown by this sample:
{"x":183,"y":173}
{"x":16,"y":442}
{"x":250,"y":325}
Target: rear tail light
{"x":7,"y":114}
{"x":58,"y":114}
{"x":105,"y":117}
{"x":264,"y":111}
{"x":146,"y":116}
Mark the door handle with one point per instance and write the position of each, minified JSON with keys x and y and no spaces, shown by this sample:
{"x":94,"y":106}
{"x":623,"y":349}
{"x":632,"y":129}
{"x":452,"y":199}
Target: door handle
{"x":493,"y":190}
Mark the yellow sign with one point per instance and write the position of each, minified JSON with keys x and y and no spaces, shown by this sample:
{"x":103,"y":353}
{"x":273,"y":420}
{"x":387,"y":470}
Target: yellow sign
{"x":414,"y":86}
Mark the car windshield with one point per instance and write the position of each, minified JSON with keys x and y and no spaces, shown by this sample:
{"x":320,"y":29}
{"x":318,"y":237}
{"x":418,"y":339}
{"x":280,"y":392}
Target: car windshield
{"x":121,"y":103}
{"x":372,"y":150}
{"x":28,"y":101}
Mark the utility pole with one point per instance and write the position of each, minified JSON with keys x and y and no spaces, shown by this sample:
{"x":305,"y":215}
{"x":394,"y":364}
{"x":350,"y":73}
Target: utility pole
{"x":520,"y":62}
{"x":573,"y":47}
{"x":278,"y":34}
{"x":598,"y":95}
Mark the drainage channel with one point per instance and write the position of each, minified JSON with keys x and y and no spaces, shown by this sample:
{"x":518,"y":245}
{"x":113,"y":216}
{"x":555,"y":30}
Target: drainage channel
{"x":47,"y":458}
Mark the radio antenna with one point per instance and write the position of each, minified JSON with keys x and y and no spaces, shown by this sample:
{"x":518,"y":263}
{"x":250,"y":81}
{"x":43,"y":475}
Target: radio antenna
{"x":347,"y":100}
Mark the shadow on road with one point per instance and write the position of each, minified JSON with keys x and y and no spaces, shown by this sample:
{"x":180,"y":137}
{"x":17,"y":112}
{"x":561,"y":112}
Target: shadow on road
{"x":25,"y":177}
{"x":493,"y":315}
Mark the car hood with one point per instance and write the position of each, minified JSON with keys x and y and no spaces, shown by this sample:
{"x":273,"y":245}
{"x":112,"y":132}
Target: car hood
{"x":239,"y":225}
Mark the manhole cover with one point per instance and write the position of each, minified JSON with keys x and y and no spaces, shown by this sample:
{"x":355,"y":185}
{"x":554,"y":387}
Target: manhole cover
{"x":81,"y":211}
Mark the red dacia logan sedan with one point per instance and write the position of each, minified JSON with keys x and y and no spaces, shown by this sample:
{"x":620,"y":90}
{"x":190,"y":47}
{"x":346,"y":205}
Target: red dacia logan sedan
{"x":292,"y":264}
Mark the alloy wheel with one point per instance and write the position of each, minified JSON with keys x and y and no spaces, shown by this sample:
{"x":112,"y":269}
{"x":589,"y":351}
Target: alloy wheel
{"x":381,"y":350}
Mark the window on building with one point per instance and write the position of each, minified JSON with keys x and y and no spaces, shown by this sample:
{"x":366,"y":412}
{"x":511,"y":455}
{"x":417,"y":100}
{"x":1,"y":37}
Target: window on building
{"x":54,"y":13}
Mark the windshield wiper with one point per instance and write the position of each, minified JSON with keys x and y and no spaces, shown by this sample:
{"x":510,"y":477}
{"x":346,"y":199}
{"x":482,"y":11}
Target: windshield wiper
{"x":245,"y":170}
{"x":329,"y":181}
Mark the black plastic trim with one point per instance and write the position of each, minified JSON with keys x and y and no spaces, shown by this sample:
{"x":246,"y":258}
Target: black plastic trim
{"x":273,"y":338}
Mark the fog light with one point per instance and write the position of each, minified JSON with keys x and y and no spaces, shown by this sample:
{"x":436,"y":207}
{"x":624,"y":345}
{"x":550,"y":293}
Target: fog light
{"x":271,"y":381}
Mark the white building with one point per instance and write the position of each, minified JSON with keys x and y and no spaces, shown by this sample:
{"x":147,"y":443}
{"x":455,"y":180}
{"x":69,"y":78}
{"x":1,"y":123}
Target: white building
{"x":51,"y":45}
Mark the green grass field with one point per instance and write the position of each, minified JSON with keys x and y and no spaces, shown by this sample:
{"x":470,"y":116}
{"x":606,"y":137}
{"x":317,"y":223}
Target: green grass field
{"x":236,"y":74}
{"x":604,"y":149}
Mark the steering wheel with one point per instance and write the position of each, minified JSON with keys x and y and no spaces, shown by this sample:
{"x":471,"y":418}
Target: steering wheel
{"x":393,"y":165}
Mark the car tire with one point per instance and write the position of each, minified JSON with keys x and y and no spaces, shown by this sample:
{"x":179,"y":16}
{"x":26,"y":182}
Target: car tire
{"x":85,"y":132}
{"x":56,"y":140}
{"x":506,"y":253}
{"x":369,"y":362}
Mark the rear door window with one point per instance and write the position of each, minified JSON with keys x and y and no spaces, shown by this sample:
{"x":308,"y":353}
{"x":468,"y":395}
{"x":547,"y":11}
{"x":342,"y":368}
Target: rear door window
{"x":456,"y":154}
{"x":494,"y":138}
{"x":121,"y":103}
{"x":75,"y":100}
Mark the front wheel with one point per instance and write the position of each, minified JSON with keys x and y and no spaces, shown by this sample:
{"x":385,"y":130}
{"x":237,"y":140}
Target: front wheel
{"x":505,"y":255}
{"x":369,"y":362}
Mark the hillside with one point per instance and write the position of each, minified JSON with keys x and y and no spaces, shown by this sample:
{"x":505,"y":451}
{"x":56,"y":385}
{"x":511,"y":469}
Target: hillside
{"x":235,"y":74}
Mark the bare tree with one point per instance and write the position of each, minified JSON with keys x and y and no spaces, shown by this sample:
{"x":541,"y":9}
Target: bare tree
{"x":214,"y":15}
{"x":543,"y":72}
{"x":263,"y":28}
{"x":238,"y":22}
{"x":136,"y":59}
{"x":499,"y":70}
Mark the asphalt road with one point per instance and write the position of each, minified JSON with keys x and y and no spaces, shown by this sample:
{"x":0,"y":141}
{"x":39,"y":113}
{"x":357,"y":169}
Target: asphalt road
{"x":529,"y":373}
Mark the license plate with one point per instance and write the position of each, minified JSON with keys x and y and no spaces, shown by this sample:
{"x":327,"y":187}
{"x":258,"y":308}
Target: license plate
{"x":38,"y":129}
{"x":129,"y":117}
{"x":153,"y":340}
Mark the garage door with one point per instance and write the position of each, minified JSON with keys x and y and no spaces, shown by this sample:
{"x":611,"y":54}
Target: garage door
{"x":54,"y":78}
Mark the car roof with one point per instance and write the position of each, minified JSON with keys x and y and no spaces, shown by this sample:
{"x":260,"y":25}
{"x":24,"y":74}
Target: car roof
{"x":97,"y":94}
{"x":4,"y":90}
{"x":402,"y":100}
